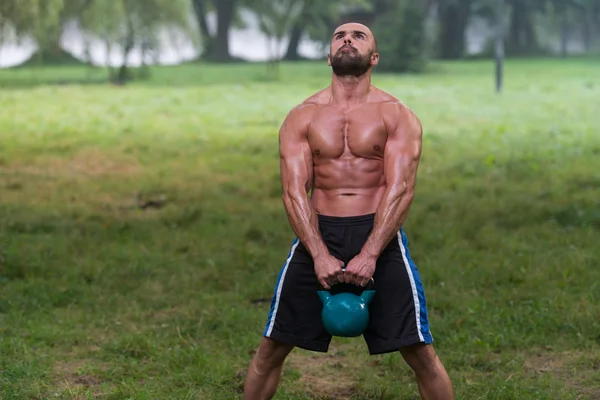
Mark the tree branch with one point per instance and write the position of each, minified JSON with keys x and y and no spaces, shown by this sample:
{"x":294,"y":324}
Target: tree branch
{"x":200,"y":9}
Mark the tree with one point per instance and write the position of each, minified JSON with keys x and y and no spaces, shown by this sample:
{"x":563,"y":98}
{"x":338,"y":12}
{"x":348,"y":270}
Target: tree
{"x":401,"y":32}
{"x":39,"y":20}
{"x":276,"y":18}
{"x":216,"y":47}
{"x":453,"y":18}
{"x":317,"y":19}
{"x":45,"y":26}
{"x":131,"y":24}
{"x":499,"y":48}
{"x":14,"y":19}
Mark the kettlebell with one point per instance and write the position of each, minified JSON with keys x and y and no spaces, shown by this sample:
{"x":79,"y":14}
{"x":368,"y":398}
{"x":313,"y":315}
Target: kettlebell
{"x":346,"y":314}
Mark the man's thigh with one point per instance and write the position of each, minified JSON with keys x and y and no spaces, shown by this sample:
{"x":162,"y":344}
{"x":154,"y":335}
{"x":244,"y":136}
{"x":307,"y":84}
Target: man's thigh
{"x":398,"y":312}
{"x":295,"y":313}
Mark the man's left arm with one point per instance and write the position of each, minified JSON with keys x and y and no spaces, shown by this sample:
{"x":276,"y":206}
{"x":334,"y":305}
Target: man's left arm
{"x":401,"y":160}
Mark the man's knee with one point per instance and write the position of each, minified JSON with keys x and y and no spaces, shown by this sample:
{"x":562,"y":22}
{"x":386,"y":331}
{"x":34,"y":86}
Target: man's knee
{"x":270,"y":354}
{"x":422,"y":358}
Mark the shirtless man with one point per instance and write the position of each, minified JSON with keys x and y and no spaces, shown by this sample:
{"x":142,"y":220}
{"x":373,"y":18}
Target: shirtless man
{"x":357,"y":149}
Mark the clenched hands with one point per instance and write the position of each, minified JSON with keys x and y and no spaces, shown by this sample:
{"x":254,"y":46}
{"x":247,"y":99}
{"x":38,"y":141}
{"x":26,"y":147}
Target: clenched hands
{"x":360,"y":270}
{"x":328,"y":270}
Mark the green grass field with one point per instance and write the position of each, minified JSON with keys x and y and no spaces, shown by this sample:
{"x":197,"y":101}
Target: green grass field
{"x":103,"y":299}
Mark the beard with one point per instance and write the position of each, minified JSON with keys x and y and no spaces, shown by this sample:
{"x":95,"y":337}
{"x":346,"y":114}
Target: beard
{"x":350,"y":63}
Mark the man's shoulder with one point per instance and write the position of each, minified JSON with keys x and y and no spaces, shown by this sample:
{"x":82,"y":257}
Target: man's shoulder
{"x":319,"y":98}
{"x":390,"y":102}
{"x":310,"y":104}
{"x":391,"y":106}
{"x":396,"y":113}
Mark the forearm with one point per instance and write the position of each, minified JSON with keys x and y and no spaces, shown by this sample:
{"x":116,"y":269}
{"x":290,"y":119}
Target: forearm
{"x":390,"y":215}
{"x":304,"y":221}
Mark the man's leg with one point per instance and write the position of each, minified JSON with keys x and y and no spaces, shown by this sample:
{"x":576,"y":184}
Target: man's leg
{"x":264,"y":372}
{"x":399,"y":320}
{"x":294,"y":320}
{"x":432,"y":378}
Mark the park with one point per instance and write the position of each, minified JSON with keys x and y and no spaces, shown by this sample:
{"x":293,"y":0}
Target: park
{"x":142,"y":230}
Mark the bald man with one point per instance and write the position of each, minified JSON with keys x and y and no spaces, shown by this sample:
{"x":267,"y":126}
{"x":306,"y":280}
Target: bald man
{"x":356,"y":149}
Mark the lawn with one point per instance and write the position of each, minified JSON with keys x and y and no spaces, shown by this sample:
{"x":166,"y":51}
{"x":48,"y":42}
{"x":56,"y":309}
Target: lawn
{"x":142,"y":231}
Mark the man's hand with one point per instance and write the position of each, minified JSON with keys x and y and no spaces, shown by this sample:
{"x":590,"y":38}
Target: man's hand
{"x":328,"y":269}
{"x":360,"y":269}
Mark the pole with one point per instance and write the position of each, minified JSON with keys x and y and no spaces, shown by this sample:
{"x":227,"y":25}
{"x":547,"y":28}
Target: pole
{"x":499,"y":44}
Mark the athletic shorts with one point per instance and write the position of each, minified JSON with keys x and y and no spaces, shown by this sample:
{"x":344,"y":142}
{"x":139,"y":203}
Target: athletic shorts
{"x":397,"y":313}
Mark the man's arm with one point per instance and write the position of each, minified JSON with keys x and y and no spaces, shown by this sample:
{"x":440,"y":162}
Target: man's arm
{"x":296,"y":178}
{"x":401,"y":159}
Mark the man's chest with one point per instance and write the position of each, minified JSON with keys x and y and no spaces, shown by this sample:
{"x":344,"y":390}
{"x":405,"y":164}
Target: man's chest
{"x":335,"y":133}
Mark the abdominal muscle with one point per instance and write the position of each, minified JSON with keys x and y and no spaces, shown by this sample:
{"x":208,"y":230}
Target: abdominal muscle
{"x":348,"y":187}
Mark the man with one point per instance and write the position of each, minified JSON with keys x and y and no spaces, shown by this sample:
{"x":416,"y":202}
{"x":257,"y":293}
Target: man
{"x":357,"y":149}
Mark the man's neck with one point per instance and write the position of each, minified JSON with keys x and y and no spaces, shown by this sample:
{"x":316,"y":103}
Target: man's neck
{"x":350,"y":90}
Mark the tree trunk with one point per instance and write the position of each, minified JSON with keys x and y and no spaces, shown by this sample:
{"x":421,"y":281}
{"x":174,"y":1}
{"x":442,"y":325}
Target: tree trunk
{"x":595,"y":23}
{"x":453,"y":18}
{"x":522,"y":39}
{"x":585,"y":33}
{"x":530,"y":40}
{"x":516,"y":27}
{"x":499,"y":48}
{"x":292,"y":48}
{"x":207,"y":38}
{"x":129,"y":45}
{"x":564,"y":35}
{"x":225,"y":13}
{"x":425,"y":6}
{"x":108,"y":46}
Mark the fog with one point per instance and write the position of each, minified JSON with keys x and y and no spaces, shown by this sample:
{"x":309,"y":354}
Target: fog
{"x":248,"y":43}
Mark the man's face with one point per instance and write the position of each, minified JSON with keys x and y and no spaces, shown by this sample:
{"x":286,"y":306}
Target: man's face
{"x":352,"y":50}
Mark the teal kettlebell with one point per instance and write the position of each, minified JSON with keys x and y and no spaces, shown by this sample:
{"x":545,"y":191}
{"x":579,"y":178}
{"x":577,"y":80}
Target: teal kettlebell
{"x":346,"y":314}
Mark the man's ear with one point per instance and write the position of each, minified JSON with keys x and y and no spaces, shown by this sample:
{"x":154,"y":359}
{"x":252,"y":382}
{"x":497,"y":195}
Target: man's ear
{"x":329,"y":59}
{"x":375,"y":59}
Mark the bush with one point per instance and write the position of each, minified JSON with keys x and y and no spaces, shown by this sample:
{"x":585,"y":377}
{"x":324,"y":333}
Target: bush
{"x":400,"y":37}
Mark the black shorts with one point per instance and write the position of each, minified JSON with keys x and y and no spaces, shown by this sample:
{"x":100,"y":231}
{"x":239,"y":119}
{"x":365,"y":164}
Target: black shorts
{"x":398,"y":312}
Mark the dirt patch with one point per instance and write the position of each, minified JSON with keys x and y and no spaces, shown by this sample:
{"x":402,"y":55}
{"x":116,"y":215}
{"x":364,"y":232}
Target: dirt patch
{"x":546,"y":362}
{"x":325,"y":376}
{"x":572,"y":368}
{"x":165,"y":314}
{"x":74,"y":377}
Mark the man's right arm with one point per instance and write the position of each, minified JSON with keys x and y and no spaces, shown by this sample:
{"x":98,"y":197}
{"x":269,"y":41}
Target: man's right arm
{"x":296,"y":178}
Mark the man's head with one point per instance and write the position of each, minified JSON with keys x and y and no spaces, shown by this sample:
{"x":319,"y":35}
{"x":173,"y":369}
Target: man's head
{"x":353,"y":50}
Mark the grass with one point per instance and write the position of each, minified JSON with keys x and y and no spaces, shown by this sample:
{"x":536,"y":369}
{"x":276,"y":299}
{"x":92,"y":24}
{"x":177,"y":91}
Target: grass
{"x":101,"y":298}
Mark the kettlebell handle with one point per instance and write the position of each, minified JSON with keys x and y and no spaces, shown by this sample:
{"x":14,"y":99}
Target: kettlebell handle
{"x":369,"y":286}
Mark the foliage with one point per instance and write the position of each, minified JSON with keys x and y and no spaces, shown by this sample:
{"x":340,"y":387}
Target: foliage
{"x":400,"y":35}
{"x":320,"y":17}
{"x":137,"y":21}
{"x":39,"y":19}
{"x":131,"y":24}
{"x":276,"y":18}
{"x":14,"y":15}
{"x":532,"y":25}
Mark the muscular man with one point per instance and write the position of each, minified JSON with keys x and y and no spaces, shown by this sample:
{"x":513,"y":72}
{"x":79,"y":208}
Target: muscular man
{"x":356,"y":149}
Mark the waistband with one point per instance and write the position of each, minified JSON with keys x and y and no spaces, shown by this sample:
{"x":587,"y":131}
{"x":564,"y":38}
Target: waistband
{"x":346,"y":221}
